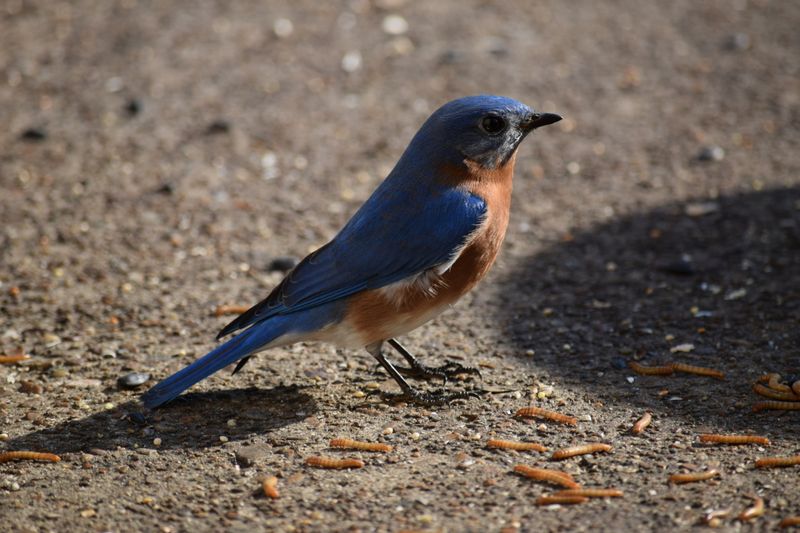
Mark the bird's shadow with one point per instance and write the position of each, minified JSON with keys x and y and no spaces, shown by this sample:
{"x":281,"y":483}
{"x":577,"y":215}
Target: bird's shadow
{"x":721,"y":275}
{"x":192,"y":421}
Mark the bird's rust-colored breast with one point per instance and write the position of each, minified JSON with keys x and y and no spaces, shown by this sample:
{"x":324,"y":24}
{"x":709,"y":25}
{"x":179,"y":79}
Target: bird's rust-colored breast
{"x":378,"y":316}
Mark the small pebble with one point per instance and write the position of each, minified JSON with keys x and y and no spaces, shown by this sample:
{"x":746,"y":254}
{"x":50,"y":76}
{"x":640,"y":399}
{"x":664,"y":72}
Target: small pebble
{"x":133,"y":380}
{"x":218,"y":126}
{"x":619,"y":363}
{"x":133,"y":107}
{"x":701,"y":209}
{"x":282,"y":264}
{"x":415,"y":436}
{"x":30,"y":387}
{"x":684,"y":348}
{"x":231,"y":423}
{"x":351,"y":61}
{"x":223,"y":438}
{"x":738,"y":41}
{"x":394,"y":25}
{"x":711,"y":153}
{"x":157,"y":441}
{"x":282,"y":28}
{"x":388,"y":431}
{"x":4,"y":437}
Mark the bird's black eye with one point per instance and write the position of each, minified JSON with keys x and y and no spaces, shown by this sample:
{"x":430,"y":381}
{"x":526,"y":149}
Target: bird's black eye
{"x":493,"y":124}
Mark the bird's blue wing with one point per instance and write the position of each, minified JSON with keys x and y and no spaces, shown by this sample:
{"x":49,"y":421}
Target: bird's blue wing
{"x":397,"y":233}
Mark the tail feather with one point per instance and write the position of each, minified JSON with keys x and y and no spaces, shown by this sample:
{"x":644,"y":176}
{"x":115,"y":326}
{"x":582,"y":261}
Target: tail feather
{"x":238,"y":347}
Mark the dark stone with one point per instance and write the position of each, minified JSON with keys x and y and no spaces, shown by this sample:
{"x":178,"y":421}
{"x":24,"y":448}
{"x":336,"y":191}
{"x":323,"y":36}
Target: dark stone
{"x":33,"y":135}
{"x":282,"y":264}
{"x":217,"y":127}
{"x":133,"y":107}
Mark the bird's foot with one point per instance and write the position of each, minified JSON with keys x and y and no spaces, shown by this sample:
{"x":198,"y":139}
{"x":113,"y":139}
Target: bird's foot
{"x":449,"y":370}
{"x":437,"y":397}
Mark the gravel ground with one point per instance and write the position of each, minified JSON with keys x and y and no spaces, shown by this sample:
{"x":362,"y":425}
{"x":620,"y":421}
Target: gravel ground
{"x":157,"y":157}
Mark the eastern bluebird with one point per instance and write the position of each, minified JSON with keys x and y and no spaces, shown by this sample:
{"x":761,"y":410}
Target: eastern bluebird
{"x":424,"y":238}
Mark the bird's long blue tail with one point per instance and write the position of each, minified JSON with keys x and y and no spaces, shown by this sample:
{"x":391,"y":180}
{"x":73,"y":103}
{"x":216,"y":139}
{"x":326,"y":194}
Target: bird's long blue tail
{"x":236,"y":348}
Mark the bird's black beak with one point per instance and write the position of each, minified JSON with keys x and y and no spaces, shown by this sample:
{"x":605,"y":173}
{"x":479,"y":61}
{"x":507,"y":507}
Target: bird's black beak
{"x":537,"y":120}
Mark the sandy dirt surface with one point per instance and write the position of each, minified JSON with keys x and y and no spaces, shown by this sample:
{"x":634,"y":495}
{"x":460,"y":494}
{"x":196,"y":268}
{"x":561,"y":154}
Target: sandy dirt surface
{"x":157,"y":157}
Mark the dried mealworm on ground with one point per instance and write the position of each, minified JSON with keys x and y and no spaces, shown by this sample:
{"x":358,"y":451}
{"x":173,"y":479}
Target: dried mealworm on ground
{"x":331,"y":462}
{"x":591,"y":493}
{"x":15,"y":358}
{"x":756,"y":510}
{"x":790,"y":521}
{"x":693,"y":477}
{"x":774,"y":383}
{"x":270,"y":486}
{"x":28,"y":456}
{"x":784,"y":406}
{"x":561,"y":500}
{"x":650,"y":370}
{"x":774,"y":394}
{"x":542,"y":474}
{"x":770,"y":462}
{"x":359,"y":445}
{"x":230,"y":310}
{"x":583,"y":449}
{"x":698,"y":370}
{"x":796,"y":387}
{"x":734,"y":439}
{"x":549,"y":415}
{"x":642,"y":423}
{"x":512,"y":445}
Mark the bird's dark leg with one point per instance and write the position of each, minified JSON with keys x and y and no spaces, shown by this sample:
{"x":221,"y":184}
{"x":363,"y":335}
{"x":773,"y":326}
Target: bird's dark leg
{"x":418,"y":370}
{"x":424,"y":398}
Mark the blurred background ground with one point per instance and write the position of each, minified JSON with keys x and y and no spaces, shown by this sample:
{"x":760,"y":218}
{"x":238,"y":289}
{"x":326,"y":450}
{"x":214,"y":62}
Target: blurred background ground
{"x":157,"y":157}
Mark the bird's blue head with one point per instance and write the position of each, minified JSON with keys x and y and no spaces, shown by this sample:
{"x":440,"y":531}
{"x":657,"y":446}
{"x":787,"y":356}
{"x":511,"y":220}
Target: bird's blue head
{"x":481,"y":129}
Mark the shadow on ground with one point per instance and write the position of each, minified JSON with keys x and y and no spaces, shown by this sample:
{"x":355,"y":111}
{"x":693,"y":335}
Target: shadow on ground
{"x":722,"y":275}
{"x":192,"y":421}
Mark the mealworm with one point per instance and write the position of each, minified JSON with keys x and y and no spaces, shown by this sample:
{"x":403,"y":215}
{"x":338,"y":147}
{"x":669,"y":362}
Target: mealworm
{"x":359,"y":445}
{"x":771,"y":404}
{"x":16,"y":358}
{"x":542,"y":474}
{"x":270,"y":486}
{"x":583,"y":449}
{"x":563,"y":500}
{"x":774,"y":394}
{"x":698,"y":370}
{"x":756,"y":510}
{"x":774,"y":383}
{"x":790,"y":521}
{"x":549,"y":415}
{"x":28,"y":456}
{"x":512,"y":445}
{"x":230,"y":310}
{"x":734,"y":439}
{"x":642,"y":423}
{"x":650,"y":370}
{"x":769,"y":462}
{"x":796,"y":387}
{"x":330,"y":462}
{"x":694,"y":476}
{"x":591,"y":493}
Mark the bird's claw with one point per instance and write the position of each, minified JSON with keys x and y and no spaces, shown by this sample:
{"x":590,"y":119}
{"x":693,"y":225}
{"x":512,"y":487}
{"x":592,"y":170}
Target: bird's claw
{"x":444,"y":372}
{"x":440,"y":397}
